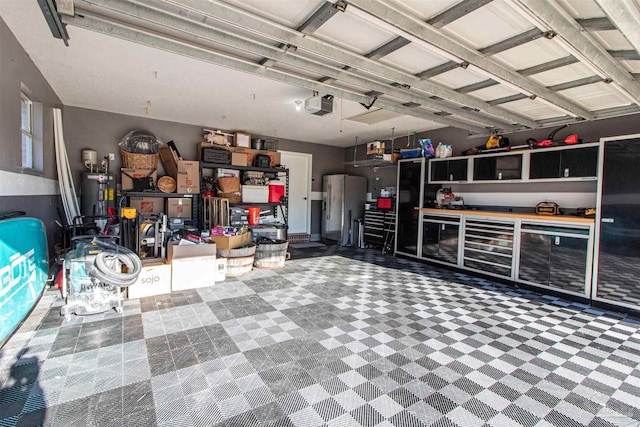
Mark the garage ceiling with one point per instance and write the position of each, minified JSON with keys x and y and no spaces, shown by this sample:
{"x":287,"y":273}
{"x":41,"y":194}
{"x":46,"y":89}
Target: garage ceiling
{"x":480,"y":65}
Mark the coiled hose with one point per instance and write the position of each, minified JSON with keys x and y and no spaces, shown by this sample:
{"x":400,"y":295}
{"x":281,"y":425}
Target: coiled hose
{"x":107,"y":266}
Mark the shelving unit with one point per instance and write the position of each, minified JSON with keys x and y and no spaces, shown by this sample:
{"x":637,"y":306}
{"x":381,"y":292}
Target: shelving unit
{"x":372,"y":164}
{"x":281,"y":174}
{"x":195,"y":202}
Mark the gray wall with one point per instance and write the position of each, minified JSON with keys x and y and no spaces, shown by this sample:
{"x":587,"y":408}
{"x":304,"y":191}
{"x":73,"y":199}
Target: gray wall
{"x":587,"y":131}
{"x":101,"y":131}
{"x":18,"y":68}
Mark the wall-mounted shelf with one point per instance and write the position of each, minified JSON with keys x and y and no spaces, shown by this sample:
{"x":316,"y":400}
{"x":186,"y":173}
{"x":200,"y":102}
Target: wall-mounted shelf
{"x":372,"y":164}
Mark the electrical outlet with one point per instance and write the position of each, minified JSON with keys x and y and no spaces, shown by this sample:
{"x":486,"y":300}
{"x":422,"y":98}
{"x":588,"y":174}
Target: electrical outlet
{"x":112,"y":156}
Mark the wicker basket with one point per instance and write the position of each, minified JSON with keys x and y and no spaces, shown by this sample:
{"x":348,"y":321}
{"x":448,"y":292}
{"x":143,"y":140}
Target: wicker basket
{"x":166,"y":184}
{"x":233,"y":197}
{"x":139,"y":161}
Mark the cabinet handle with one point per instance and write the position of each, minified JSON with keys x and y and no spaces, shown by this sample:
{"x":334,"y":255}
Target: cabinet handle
{"x":557,"y":240}
{"x":566,"y":172}
{"x":608,"y":220}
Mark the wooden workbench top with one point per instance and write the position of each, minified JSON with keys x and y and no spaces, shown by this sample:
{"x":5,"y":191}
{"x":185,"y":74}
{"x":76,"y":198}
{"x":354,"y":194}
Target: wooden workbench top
{"x":550,"y":218}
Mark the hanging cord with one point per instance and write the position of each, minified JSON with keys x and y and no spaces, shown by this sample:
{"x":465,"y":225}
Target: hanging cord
{"x":108,"y":263}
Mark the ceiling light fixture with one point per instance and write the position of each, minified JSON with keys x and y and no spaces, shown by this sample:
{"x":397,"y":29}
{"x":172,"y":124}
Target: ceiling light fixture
{"x":298,"y":105}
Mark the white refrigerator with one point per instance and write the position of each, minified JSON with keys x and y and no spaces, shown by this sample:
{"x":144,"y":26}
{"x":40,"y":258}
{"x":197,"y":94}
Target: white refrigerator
{"x":343,"y":198}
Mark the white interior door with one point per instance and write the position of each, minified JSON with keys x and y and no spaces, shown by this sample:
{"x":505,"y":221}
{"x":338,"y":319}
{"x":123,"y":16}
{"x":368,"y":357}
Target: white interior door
{"x":299,"y":165}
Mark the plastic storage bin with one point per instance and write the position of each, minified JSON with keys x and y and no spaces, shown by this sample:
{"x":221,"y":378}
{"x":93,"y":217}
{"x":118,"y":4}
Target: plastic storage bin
{"x":276,"y":191}
{"x":255,"y":194}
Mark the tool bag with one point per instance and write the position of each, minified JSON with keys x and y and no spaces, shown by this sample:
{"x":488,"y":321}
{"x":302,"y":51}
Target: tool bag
{"x":144,"y":183}
{"x":547,"y":208}
{"x":261,"y":161}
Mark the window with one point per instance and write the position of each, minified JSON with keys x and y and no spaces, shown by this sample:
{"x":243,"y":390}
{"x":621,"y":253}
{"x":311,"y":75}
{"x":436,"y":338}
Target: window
{"x":26,"y":127}
{"x":31,"y":129}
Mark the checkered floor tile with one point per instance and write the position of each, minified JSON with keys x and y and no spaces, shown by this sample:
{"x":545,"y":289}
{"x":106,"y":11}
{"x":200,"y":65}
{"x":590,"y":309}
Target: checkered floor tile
{"x":338,"y":337}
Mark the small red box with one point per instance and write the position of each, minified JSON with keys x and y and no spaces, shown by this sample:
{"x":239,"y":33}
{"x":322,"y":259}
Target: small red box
{"x":276,"y":191}
{"x":384,"y":203}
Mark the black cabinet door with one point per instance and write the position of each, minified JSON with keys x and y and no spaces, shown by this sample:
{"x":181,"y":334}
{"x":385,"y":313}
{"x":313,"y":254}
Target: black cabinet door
{"x":568,"y":263}
{"x":484,"y":168}
{"x":449,"y":243}
{"x":568,"y":163}
{"x":619,"y":239}
{"x":579,"y":162}
{"x":458,"y":170}
{"x":439,"y":171}
{"x":440,"y":241}
{"x":408,"y":206}
{"x":545,"y":165}
{"x":535,"y":252}
{"x":509,"y":167}
{"x":430,"y":239}
{"x":497,"y":168}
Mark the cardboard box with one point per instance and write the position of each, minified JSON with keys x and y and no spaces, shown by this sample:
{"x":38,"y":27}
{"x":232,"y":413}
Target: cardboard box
{"x":127,"y":175}
{"x":177,"y":251}
{"x":147,"y":205}
{"x":243,"y":139}
{"x":250,"y":153}
{"x":375,"y":147}
{"x":179,"y":208}
{"x":192,"y":266}
{"x":231,"y":242}
{"x":185,"y":172}
{"x":239,"y":159}
{"x":154,"y":279}
{"x":274,"y":156}
{"x":255,"y":194}
{"x":188,"y":177}
{"x":169,"y":161}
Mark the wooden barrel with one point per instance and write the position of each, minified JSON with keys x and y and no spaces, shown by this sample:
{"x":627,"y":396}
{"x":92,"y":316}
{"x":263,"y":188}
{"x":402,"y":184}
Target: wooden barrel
{"x":270,"y":254}
{"x":239,"y":266}
{"x":242,"y":251}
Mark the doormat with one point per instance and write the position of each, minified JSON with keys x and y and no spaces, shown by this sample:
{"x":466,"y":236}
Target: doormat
{"x":299,"y":238}
{"x":306,"y":245}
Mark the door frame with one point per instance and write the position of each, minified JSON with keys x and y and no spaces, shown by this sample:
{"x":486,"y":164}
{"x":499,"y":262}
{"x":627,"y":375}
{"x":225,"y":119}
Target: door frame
{"x":309,"y":158}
